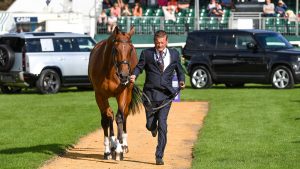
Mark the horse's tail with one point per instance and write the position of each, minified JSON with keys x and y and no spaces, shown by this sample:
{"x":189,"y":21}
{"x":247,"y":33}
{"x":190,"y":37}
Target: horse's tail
{"x":136,"y":100}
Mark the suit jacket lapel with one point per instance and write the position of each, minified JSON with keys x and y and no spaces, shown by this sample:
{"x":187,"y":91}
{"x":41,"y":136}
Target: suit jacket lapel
{"x":153,"y":58}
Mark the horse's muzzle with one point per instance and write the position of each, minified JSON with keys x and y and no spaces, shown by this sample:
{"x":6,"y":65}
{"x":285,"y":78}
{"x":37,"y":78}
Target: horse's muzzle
{"x":124,"y":78}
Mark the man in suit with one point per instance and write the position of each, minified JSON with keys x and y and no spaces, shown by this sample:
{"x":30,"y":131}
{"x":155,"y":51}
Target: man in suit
{"x":160,"y":63}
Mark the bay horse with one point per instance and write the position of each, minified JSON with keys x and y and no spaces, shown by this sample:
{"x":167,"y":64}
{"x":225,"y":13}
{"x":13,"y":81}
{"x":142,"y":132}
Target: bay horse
{"x":110,"y":66}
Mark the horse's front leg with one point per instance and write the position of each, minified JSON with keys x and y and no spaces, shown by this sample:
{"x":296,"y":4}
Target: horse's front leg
{"x":106,"y":123}
{"x":123,"y":102}
{"x":125,"y":136}
{"x":119,"y":121}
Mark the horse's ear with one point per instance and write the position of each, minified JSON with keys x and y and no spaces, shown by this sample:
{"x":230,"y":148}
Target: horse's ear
{"x":116,"y":30}
{"x":131,"y":32}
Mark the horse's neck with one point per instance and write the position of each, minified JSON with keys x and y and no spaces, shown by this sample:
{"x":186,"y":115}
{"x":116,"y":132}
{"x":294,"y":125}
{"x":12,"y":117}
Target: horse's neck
{"x":108,"y":54}
{"x":108,"y":63}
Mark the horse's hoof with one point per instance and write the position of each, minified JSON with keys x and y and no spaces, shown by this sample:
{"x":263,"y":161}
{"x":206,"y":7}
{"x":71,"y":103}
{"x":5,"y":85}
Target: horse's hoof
{"x":113,"y":155}
{"x":122,"y":156}
{"x":125,"y":149}
{"x":107,"y":156}
{"x":119,"y":156}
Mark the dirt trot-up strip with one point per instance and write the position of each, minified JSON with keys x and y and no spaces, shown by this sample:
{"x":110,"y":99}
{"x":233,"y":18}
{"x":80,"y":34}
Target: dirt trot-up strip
{"x":185,"y":120}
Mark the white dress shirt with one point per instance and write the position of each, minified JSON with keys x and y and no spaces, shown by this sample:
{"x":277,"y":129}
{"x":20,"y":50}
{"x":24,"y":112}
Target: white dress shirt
{"x":166,"y":57}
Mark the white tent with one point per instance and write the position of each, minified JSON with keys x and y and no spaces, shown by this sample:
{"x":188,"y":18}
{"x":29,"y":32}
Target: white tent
{"x":7,"y":23}
{"x":55,"y":6}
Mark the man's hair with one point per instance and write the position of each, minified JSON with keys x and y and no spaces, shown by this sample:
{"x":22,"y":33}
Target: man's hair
{"x":160,"y":34}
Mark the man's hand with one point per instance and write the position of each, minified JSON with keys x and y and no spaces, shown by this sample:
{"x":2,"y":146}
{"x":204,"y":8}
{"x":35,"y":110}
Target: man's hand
{"x":132,"y":78}
{"x":182,"y":85}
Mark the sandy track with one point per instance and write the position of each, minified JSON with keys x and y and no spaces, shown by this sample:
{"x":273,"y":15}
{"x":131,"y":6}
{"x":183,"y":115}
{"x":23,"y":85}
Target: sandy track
{"x":185,"y":120}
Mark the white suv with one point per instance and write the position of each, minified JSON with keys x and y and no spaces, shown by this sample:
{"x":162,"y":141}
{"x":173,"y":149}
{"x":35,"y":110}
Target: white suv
{"x":46,"y":60}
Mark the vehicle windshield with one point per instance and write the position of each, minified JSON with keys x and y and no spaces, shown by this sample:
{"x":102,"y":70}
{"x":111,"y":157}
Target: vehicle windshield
{"x":273,"y":41}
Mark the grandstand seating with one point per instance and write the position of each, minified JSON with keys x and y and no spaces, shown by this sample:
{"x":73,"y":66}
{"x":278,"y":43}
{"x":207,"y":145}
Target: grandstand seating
{"x":122,"y":23}
{"x":153,"y":20}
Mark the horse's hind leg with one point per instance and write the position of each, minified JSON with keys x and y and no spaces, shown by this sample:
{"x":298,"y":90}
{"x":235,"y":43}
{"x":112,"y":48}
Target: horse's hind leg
{"x":106,"y":122}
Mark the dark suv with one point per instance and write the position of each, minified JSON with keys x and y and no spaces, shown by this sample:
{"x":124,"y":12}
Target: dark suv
{"x":236,"y":57}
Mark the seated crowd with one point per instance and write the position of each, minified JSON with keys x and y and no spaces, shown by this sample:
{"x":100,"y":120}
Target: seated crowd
{"x":114,"y":9}
{"x":280,"y":10}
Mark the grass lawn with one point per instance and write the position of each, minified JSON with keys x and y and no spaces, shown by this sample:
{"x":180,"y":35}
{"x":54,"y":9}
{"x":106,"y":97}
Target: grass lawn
{"x":253,"y":127}
{"x":35,"y":127}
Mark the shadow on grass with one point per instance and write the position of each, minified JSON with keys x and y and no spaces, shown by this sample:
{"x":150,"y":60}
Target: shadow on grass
{"x":297,"y":101}
{"x":50,"y":149}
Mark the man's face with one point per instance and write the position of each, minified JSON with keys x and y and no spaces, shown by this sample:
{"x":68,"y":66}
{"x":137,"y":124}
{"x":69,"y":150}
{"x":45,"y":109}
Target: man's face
{"x":161,"y":43}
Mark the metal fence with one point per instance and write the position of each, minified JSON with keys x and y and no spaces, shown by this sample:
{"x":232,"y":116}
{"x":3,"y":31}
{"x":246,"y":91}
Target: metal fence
{"x":182,"y":25}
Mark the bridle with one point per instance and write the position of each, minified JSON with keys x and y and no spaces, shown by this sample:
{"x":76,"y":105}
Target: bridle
{"x":118,"y":63}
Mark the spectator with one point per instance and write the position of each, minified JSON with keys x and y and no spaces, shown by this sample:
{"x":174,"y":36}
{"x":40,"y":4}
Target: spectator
{"x":102,"y":19}
{"x":183,"y":4}
{"x":291,"y":15}
{"x":214,"y":8}
{"x":169,"y":13}
{"x":281,"y":8}
{"x":120,"y":3}
{"x":228,"y":4}
{"x":126,"y":11}
{"x":20,"y":29}
{"x":115,"y":12}
{"x":106,"y":4}
{"x":174,"y":4}
{"x":162,"y":2}
{"x":137,"y":10}
{"x":268,"y":9}
{"x":219,"y":9}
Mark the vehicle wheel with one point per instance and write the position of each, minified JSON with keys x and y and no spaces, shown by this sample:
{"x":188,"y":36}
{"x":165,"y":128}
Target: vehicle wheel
{"x":48,"y":82}
{"x":10,"y":90}
{"x":200,"y":78}
{"x":282,"y":78}
{"x":234,"y":85}
{"x":7,"y":58}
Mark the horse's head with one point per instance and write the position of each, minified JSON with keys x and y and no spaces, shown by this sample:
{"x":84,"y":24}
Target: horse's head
{"x":122,"y":53}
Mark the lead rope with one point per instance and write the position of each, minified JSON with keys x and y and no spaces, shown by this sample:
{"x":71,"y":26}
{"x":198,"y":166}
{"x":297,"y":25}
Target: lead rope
{"x":165,"y":102}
